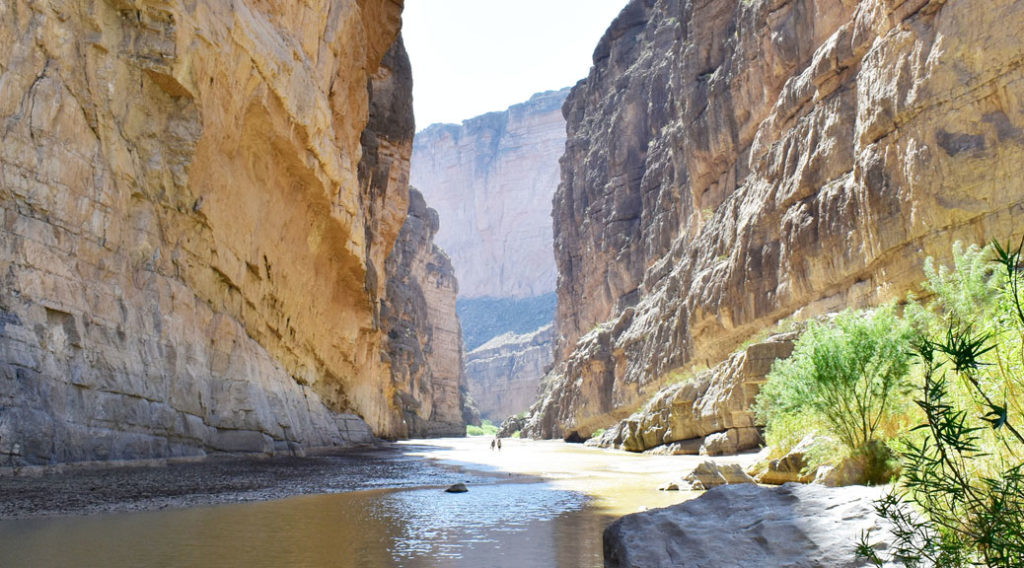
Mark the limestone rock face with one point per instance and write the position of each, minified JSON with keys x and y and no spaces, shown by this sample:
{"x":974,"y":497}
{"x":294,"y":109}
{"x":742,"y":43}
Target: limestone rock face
{"x":423,"y":335}
{"x":709,"y":413}
{"x":491,"y":179}
{"x":745,"y":525}
{"x":190,"y":243}
{"x":503,"y":375}
{"x":730,"y":163}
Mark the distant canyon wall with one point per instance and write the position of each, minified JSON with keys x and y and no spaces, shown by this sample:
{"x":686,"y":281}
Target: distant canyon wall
{"x":198,"y":200}
{"x":503,"y":374}
{"x":491,"y":180}
{"x":734,"y":162}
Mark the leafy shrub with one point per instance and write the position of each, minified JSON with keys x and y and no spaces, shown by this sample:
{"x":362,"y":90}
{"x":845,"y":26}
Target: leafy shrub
{"x":486,"y":428}
{"x":851,"y":377}
{"x":960,"y":501}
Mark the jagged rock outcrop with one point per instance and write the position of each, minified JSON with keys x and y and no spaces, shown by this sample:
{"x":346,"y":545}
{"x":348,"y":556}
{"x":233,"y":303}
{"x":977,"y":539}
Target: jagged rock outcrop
{"x":491,"y":179}
{"x":424,"y":340}
{"x":196,"y":205}
{"x":746,"y":525}
{"x":503,"y":375}
{"x":709,"y":413}
{"x":730,"y":163}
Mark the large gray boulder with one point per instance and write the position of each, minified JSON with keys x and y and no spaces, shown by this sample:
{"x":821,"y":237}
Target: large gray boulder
{"x":797,"y":526}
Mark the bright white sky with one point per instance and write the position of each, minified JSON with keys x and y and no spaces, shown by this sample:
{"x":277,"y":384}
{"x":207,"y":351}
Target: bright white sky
{"x":475,"y":56}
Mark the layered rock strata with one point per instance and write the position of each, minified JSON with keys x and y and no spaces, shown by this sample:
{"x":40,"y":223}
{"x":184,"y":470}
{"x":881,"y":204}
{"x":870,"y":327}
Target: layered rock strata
{"x":191,"y":245}
{"x":730,"y":163}
{"x":491,"y":179}
{"x":424,"y":339}
{"x":709,"y":413}
{"x":503,"y":375}
{"x":484,"y":319}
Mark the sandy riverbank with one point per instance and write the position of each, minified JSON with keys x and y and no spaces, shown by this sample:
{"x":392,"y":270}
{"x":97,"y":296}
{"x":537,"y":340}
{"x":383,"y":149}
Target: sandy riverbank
{"x":620,"y":482}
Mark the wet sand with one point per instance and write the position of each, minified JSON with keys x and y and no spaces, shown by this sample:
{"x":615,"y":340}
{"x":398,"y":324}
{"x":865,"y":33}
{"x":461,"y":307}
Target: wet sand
{"x":620,"y":482}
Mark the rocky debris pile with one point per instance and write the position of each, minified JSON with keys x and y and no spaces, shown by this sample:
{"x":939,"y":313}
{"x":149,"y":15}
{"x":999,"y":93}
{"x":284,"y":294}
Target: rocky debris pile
{"x":510,"y":426}
{"x":800,"y":526}
{"x":796,"y":467}
{"x":709,"y":474}
{"x":708,"y":414}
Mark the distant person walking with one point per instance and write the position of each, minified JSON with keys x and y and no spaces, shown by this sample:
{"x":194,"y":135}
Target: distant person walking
{"x":499,"y":444}
{"x":492,"y":445}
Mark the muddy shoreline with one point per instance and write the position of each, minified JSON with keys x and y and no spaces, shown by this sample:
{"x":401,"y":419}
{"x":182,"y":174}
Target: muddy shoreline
{"x":71,"y":491}
{"x":620,"y":482}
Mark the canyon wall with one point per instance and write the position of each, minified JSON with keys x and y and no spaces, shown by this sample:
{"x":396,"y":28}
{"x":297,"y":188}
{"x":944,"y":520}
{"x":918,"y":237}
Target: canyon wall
{"x":491,"y":180}
{"x":503,"y":374}
{"x":197,"y":201}
{"x":423,"y":334}
{"x":731,"y":163}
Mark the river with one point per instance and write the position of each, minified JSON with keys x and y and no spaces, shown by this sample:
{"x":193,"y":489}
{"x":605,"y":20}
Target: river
{"x":541,"y":504}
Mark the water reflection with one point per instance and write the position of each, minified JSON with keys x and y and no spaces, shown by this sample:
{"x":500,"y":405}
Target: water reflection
{"x":507,"y":524}
{"x":496,"y":525}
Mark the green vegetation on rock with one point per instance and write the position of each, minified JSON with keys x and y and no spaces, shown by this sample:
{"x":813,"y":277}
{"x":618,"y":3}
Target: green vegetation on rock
{"x":486,"y":428}
{"x":850,"y":377}
{"x":960,"y":500}
{"x":957,"y":450}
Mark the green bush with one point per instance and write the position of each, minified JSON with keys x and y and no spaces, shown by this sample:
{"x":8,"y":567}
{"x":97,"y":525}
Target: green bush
{"x":960,"y":501}
{"x":851,"y":376}
{"x":486,"y":428}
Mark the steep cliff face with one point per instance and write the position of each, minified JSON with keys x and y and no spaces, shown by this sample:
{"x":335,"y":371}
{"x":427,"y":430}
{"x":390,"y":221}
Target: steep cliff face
{"x":503,"y":374}
{"x":424,"y":339}
{"x":733,"y":162}
{"x":491,"y":180}
{"x":190,"y":244}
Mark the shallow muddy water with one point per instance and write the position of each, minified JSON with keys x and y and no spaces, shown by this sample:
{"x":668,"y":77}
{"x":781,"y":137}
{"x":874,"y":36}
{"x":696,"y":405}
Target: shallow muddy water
{"x":495,"y":524}
{"x":541,"y":504}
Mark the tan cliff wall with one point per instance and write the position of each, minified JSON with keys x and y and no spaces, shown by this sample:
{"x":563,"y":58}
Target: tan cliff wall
{"x":423,"y":339}
{"x":731,"y":163}
{"x":503,"y":375}
{"x":423,"y":334}
{"x":191,"y":248}
{"x":491,"y":179}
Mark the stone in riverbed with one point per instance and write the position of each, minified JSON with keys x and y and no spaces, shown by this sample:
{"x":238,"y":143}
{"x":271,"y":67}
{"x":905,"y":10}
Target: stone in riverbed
{"x":457,"y":488}
{"x":747,"y":525}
